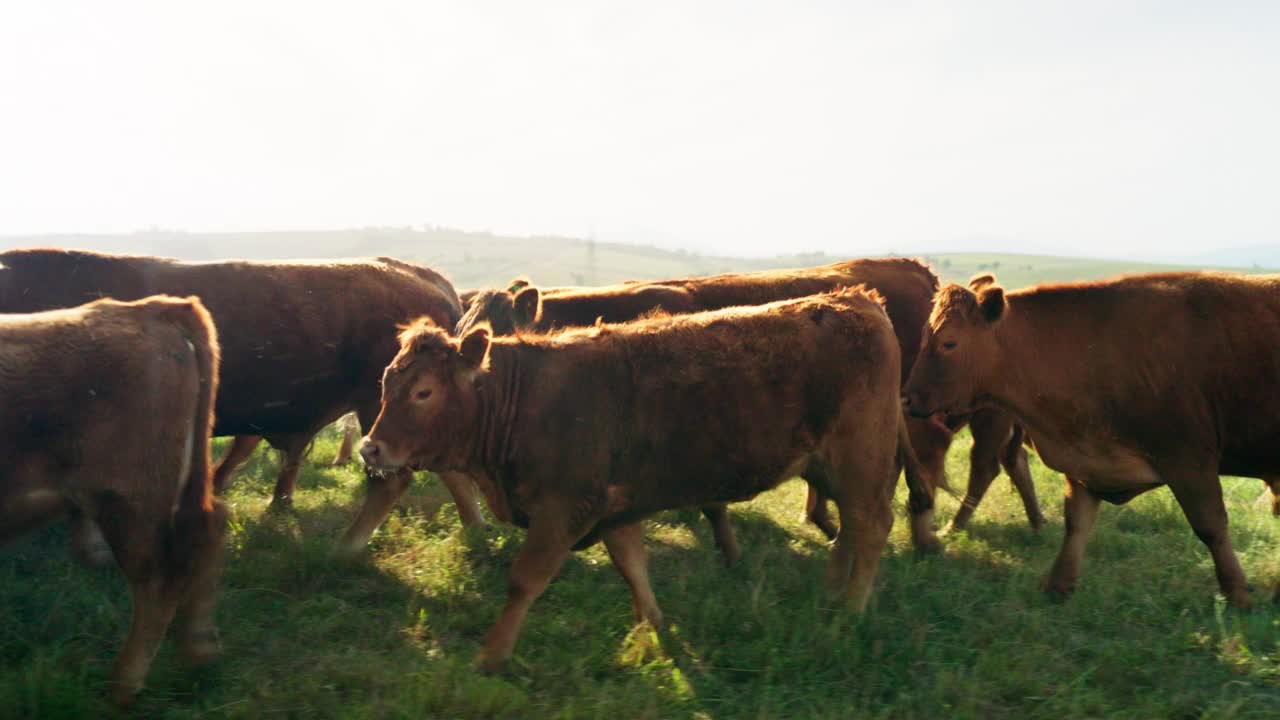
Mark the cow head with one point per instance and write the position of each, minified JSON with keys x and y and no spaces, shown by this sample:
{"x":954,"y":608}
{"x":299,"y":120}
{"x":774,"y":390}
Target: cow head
{"x":429,"y":399}
{"x":506,"y":311}
{"x":958,"y":352}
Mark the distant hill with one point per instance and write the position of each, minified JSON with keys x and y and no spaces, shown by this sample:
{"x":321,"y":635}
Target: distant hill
{"x":477,"y":259}
{"x":1251,"y":257}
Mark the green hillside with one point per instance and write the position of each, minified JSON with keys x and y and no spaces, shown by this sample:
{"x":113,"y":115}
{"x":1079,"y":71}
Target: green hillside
{"x":475,"y":259}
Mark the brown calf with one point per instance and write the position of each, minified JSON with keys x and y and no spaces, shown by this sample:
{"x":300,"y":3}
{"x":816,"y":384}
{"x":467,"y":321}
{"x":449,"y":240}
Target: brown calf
{"x":302,"y":343}
{"x":1126,"y":385}
{"x":108,"y":408}
{"x":579,"y":436}
{"x":908,"y":288}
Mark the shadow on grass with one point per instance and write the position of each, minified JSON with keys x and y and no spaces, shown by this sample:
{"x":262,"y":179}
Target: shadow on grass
{"x":392,"y":633}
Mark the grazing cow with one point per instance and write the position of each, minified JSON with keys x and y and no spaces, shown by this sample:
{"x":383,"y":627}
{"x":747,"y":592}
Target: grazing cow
{"x":579,"y":436}
{"x":107,"y":409}
{"x":908,"y":288}
{"x":1126,"y":385}
{"x":302,"y":343}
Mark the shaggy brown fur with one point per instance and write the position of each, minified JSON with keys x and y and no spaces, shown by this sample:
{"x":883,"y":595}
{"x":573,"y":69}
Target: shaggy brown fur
{"x":302,"y":342}
{"x":107,"y":409}
{"x":1116,"y":404}
{"x":580,"y":435}
{"x":907,"y":287}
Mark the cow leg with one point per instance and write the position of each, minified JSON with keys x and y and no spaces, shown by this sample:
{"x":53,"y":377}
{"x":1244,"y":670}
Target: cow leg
{"x":87,"y":540}
{"x":868,"y":533}
{"x":930,"y":440}
{"x":350,"y":434}
{"x":1015,"y":462}
{"x":1080,"y":512}
{"x":382,"y":491}
{"x":815,"y":501}
{"x":242,"y":446}
{"x":545,"y":549}
{"x":863,"y":491}
{"x":1201,"y":501}
{"x":726,"y":540}
{"x":465,"y":497}
{"x":984,"y":466}
{"x":816,"y":512}
{"x":136,"y":538}
{"x":197,"y":635}
{"x":153,"y":610}
{"x":292,"y":446}
{"x":626,"y":548}
{"x":1273,"y":482}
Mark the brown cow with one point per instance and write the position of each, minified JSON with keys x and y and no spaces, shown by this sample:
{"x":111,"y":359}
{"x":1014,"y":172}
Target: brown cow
{"x":1126,"y":385}
{"x":107,"y":408}
{"x":302,"y":343}
{"x":579,"y":436}
{"x":908,"y":287}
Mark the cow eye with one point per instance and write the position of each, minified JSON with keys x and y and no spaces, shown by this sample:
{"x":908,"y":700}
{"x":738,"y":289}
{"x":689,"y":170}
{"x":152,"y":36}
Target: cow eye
{"x":949,"y":345}
{"x":422,"y":395}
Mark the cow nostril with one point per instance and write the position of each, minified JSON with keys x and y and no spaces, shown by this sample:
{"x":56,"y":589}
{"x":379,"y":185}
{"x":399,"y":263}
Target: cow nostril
{"x":370,"y":450}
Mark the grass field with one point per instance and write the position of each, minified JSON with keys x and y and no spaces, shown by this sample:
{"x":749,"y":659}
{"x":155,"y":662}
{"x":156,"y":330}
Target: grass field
{"x":392,"y":634}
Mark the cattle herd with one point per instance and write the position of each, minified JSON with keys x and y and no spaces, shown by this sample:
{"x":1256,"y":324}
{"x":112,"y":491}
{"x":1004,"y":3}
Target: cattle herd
{"x":578,"y":412}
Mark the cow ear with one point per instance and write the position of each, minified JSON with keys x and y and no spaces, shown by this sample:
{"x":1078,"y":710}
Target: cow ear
{"x":474,"y":347}
{"x":977,"y":282}
{"x":991,"y":302}
{"x":528,"y":306}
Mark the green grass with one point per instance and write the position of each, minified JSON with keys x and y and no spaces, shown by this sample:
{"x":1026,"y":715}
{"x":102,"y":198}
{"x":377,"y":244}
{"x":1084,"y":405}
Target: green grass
{"x":391,"y":635}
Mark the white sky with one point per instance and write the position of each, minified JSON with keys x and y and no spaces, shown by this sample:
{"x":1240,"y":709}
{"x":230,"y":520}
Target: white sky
{"x":1101,"y":128}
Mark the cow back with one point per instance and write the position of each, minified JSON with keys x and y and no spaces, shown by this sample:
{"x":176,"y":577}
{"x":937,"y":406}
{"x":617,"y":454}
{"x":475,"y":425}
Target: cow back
{"x":300,"y":340}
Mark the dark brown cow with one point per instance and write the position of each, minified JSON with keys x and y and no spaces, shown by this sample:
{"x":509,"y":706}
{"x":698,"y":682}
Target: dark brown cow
{"x":1126,"y":385}
{"x":579,"y":436}
{"x":107,"y":408}
{"x":302,"y":343}
{"x":908,"y":287}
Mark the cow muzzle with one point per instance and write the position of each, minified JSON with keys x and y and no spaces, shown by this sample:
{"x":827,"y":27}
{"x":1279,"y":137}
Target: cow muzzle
{"x":916,"y":407}
{"x":376,"y":455}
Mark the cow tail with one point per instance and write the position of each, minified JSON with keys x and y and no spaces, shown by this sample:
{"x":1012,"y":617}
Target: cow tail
{"x":197,"y":523}
{"x":197,"y":495}
{"x":920,"y":493}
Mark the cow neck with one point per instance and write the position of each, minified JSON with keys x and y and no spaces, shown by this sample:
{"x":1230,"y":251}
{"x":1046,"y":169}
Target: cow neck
{"x":1020,"y":383}
{"x":499,"y":400}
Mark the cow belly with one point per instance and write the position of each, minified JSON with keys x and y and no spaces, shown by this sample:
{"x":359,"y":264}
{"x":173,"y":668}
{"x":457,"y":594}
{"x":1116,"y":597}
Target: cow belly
{"x":1104,"y":469}
{"x":666,"y":490}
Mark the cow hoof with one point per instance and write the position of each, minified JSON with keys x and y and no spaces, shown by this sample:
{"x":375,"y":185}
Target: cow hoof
{"x":348,"y":551}
{"x":122,"y":695}
{"x":1241,"y":602}
{"x":281,"y":504}
{"x":202,"y":648}
{"x":926,"y":548}
{"x":1055,"y":591}
{"x":731,"y":556}
{"x":490,"y":666}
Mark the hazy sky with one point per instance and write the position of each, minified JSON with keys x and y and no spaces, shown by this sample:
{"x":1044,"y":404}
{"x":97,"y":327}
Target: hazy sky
{"x":1104,"y":128}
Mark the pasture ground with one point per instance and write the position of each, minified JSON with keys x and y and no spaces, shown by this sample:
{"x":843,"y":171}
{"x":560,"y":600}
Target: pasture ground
{"x":392,"y":634}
